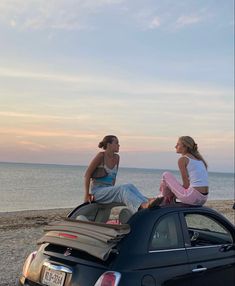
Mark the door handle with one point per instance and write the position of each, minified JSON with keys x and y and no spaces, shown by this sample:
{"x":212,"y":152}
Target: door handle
{"x":201,"y":269}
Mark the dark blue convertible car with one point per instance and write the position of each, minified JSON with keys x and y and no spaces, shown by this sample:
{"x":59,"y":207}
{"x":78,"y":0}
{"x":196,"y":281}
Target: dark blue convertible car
{"x":105,"y":245}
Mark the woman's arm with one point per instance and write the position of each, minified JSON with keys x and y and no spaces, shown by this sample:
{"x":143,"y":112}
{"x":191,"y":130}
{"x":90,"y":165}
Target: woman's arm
{"x":182,"y":163}
{"x":87,"y":178}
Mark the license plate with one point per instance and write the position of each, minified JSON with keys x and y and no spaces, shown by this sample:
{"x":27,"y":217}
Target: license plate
{"x":53,"y":278}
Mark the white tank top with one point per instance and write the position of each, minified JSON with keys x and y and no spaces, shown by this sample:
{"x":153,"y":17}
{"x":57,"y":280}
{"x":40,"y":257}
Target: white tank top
{"x":198,"y":175}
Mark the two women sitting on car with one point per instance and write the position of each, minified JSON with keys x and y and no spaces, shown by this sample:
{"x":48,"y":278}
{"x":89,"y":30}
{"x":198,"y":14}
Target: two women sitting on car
{"x":100,"y":186}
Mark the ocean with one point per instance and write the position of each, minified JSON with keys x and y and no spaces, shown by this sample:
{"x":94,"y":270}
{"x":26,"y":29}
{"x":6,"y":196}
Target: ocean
{"x":41,"y":186}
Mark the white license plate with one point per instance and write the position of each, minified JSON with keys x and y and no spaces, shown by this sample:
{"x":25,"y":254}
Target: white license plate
{"x":53,"y":277}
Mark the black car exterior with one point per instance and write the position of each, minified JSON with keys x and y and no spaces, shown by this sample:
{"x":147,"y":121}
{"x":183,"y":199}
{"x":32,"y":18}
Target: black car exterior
{"x":171,"y":246}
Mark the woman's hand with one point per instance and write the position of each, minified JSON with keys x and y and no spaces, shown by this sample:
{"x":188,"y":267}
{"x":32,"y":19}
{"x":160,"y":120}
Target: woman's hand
{"x":89,"y":198}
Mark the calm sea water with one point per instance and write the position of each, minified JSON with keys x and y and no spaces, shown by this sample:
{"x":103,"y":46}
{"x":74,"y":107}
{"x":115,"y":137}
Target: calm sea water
{"x":36,"y":186}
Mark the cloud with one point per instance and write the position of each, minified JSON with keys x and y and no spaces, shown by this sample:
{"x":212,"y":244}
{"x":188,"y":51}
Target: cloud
{"x":42,"y":116}
{"x":45,"y":133}
{"x":53,"y":14}
{"x":110,"y":98}
{"x":114,"y":84}
{"x":71,"y":15}
{"x":169,"y":17}
{"x":32,"y":145}
{"x":155,"y":23}
{"x":185,"y":20}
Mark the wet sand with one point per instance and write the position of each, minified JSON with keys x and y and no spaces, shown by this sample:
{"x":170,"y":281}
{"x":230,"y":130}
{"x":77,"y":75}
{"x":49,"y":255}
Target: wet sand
{"x":19,"y":232}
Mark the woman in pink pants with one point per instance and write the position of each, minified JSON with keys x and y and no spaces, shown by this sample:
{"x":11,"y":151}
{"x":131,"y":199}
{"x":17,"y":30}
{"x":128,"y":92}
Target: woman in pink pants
{"x":193,"y":169}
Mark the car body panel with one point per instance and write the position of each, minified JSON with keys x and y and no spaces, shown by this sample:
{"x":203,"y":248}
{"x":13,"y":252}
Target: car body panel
{"x":209,"y":263}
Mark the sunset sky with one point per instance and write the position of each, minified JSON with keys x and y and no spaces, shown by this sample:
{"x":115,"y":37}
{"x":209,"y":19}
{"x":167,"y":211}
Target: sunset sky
{"x":72,"y":71}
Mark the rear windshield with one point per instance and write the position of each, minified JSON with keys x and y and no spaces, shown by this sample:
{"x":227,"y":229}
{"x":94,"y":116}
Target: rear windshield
{"x":104,"y":214}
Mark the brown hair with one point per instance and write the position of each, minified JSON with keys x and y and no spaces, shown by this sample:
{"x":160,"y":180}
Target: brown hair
{"x":107,"y":139}
{"x":192,"y":148}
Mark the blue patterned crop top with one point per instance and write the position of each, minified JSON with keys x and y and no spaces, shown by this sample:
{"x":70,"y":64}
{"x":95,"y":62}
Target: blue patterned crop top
{"x":106,"y":181}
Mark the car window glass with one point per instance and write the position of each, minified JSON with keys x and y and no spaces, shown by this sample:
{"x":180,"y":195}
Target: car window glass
{"x":107,"y":214}
{"x":165,"y":235}
{"x":119,"y":215}
{"x":204,"y":230}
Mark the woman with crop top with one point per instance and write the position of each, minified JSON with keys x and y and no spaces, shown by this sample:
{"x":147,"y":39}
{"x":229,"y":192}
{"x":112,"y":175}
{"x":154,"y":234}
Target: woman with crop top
{"x":103,"y":190}
{"x":193,"y":170}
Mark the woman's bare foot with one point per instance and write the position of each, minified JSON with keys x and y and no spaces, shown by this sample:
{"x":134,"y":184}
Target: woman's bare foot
{"x":152,"y":203}
{"x":144,"y":205}
{"x":156,"y":202}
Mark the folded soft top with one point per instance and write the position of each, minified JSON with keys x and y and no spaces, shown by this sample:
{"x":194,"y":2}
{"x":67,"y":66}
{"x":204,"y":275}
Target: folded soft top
{"x":97,"y":239}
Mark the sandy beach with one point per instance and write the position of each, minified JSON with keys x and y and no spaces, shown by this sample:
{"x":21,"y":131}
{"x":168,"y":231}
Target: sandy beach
{"x":20,"y":231}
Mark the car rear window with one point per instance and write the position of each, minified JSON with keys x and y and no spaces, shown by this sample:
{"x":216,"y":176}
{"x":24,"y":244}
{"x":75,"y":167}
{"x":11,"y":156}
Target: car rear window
{"x":108,"y":214}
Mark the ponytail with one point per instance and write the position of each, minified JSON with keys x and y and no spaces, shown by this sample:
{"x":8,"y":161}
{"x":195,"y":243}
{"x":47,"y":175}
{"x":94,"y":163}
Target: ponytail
{"x":192,"y":148}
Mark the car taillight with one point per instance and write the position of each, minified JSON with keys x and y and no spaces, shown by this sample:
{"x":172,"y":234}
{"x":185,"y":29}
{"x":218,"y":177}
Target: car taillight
{"x":109,"y":278}
{"x":67,"y":235}
{"x":27,"y":263}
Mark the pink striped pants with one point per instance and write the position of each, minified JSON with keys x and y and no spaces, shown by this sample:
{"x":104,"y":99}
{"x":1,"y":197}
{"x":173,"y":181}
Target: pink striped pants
{"x":170,"y":188}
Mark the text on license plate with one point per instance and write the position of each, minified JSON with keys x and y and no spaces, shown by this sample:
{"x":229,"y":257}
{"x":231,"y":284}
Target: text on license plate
{"x":53,"y":277}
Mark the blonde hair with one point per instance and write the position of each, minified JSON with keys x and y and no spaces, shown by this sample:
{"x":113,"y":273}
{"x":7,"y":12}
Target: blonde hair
{"x":192,"y":148}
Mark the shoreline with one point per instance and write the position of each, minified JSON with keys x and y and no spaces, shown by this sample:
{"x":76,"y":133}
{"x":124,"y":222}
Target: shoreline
{"x":37,"y":218}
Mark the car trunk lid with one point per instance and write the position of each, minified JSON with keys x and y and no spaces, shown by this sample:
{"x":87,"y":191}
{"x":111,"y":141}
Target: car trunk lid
{"x":96,"y":239}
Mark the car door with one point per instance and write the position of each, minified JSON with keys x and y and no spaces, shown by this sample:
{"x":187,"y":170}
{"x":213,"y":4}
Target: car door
{"x":167,"y":253}
{"x":208,"y":246}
